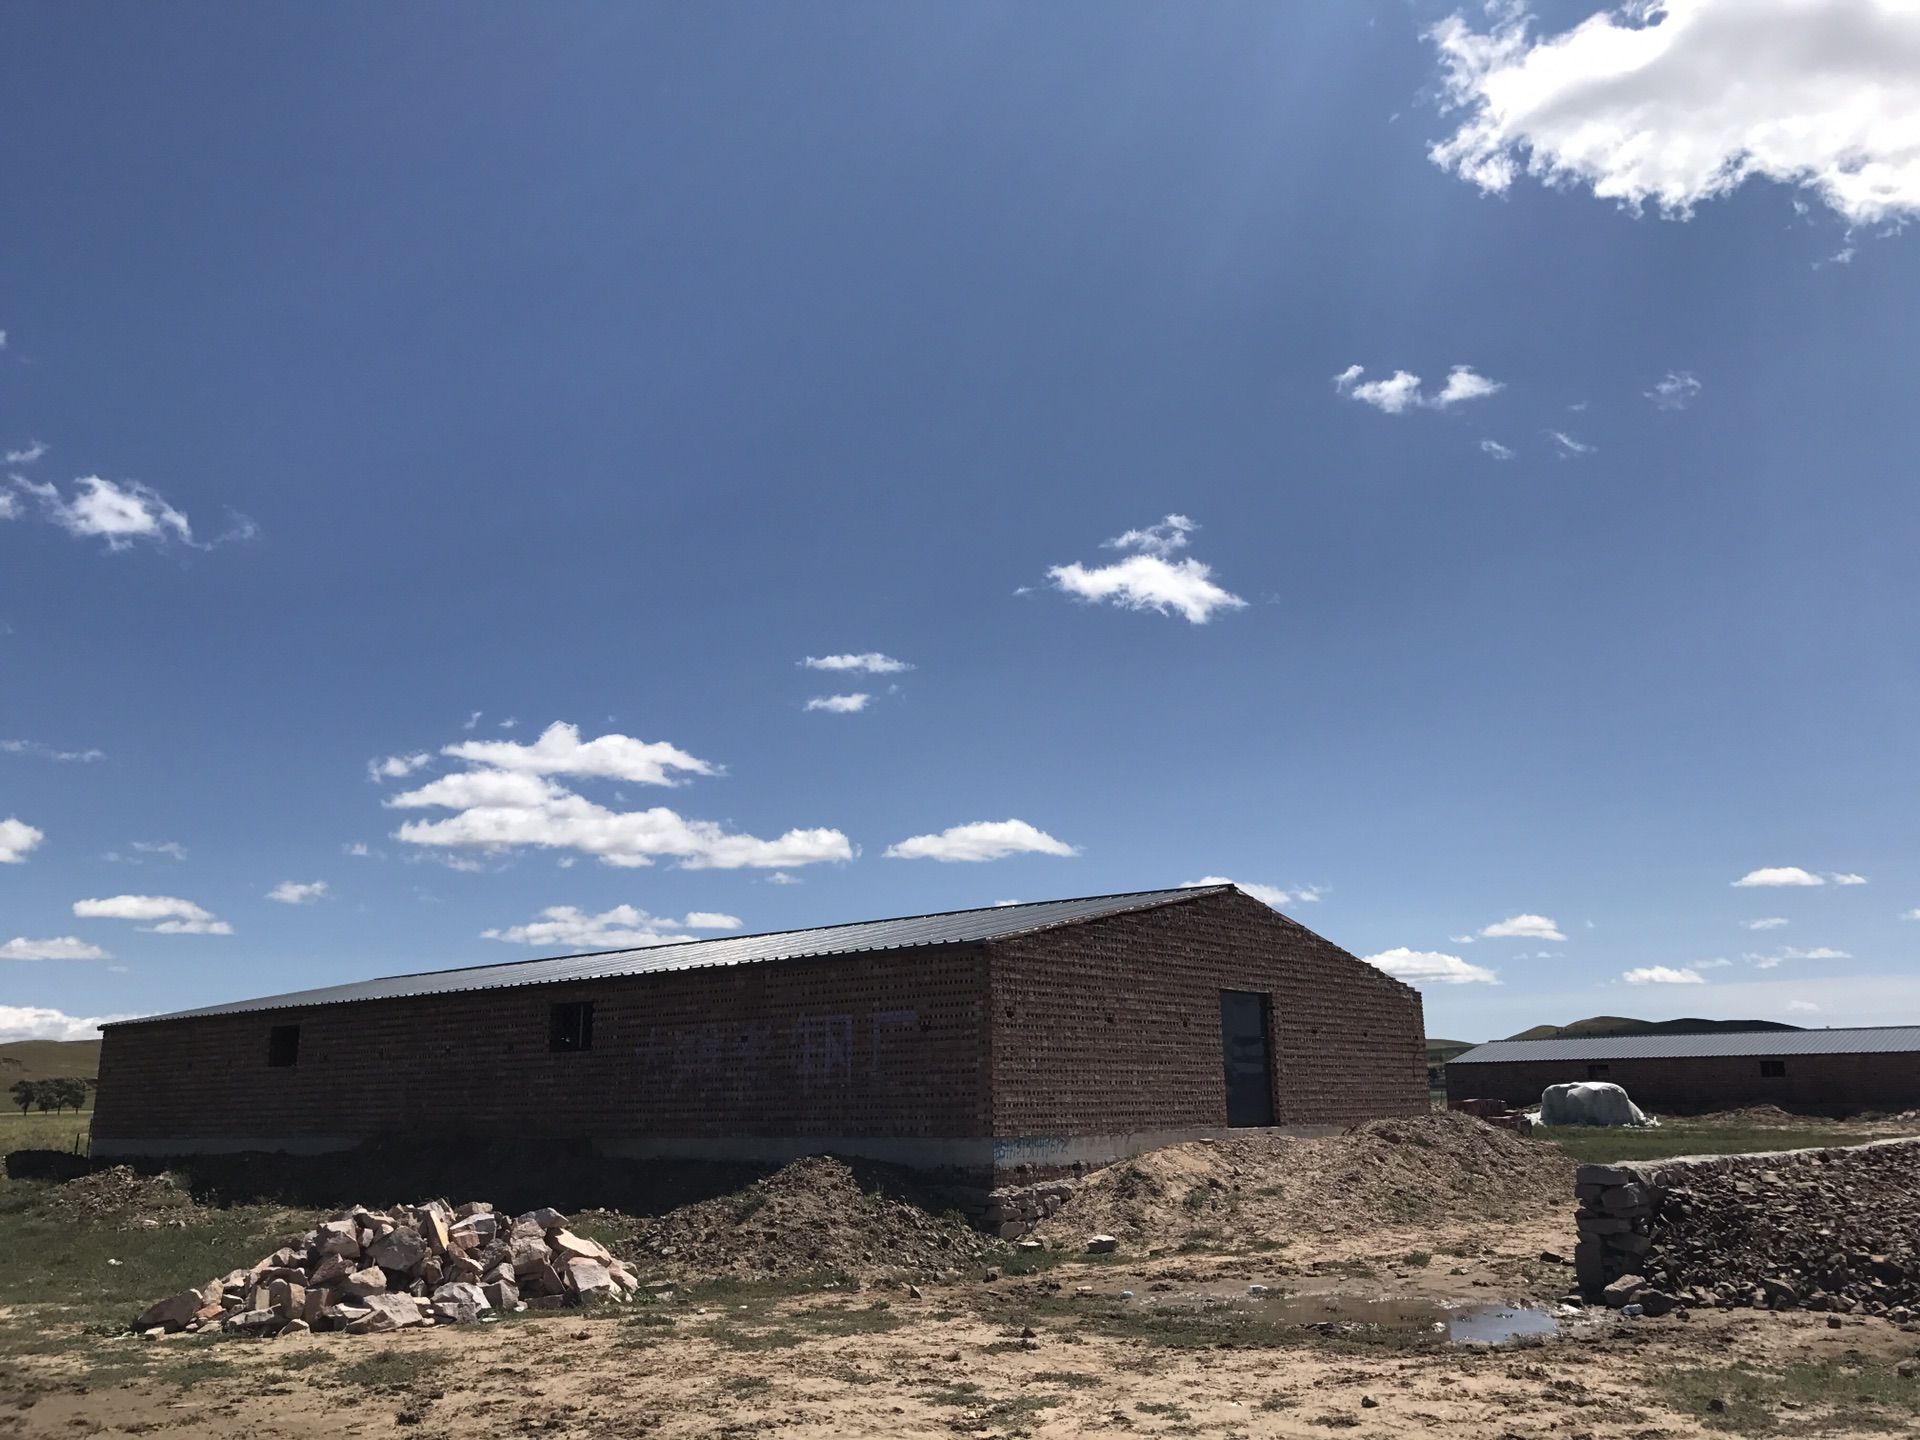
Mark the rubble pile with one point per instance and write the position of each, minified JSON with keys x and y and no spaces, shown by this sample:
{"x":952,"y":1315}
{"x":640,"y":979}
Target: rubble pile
{"x":365,"y":1271}
{"x":1834,"y":1230}
{"x":813,"y":1217}
{"x":1411,"y":1170}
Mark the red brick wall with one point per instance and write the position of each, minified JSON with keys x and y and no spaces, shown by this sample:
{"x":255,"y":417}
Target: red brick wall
{"x":1838,"y":1084}
{"x":860,"y":1045}
{"x":1114,"y":1026}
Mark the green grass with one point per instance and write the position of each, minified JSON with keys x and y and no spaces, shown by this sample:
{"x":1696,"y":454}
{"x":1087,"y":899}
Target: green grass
{"x":63,"y":1296}
{"x":390,"y":1368}
{"x":1597,"y":1144}
{"x":797,"y":1327}
{"x":34,"y":1131}
{"x":1832,"y":1397}
{"x":1216,"y":1327}
{"x":1162,"y":1407}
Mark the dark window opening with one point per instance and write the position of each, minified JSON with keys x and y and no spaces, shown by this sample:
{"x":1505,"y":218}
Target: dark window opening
{"x":283,"y":1045}
{"x":1244,"y":1053}
{"x":1598,"y":1072}
{"x":1773,"y":1069}
{"x":571,"y":1026}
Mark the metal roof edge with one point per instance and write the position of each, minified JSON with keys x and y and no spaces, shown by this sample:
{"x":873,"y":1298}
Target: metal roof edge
{"x":1171,"y":895}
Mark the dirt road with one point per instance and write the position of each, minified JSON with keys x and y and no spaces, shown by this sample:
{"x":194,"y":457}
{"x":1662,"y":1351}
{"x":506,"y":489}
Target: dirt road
{"x":1187,"y":1353}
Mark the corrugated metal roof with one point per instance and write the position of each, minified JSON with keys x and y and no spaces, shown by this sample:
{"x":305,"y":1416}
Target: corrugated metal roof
{"x":952,"y":927}
{"x":1879,"y":1039}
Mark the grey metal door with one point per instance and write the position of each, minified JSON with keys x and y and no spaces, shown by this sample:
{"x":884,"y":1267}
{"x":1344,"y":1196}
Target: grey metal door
{"x":1243,"y":1048}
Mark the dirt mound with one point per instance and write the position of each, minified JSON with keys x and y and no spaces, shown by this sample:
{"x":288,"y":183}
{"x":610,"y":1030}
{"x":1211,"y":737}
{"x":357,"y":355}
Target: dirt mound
{"x":124,"y":1197}
{"x":813,"y":1217}
{"x":1442,"y":1166}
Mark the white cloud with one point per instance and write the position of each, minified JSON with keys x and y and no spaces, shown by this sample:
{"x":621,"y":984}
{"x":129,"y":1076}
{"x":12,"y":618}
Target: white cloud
{"x":356,"y":848}
{"x":1789,"y":952}
{"x":64,"y":947}
{"x":32,"y":1022}
{"x":839,"y":704}
{"x":505,"y":804}
{"x":1802,"y":1007}
{"x":174,"y":916}
{"x":28,"y":453}
{"x":622,"y":927}
{"x":561,"y":751}
{"x":870,"y":662}
{"x":1716,"y":964}
{"x":1148,"y":579}
{"x":9,"y":505}
{"x":172,"y":849}
{"x":1663,"y":975}
{"x":781,"y":877}
{"x":17,"y":838}
{"x":1568,"y":445}
{"x":1430,"y":967}
{"x":1677,"y":390}
{"x":1496,"y":449}
{"x":118,"y":513}
{"x":1846,"y":879}
{"x":471,"y":721}
{"x":396,"y":767}
{"x":1776,"y":876}
{"x":49,"y":752}
{"x":295,"y":892}
{"x":1676,"y":102}
{"x":1523,"y":927}
{"x":1161,"y":539}
{"x":1464,"y":384}
{"x":1913,"y":914}
{"x":982,"y":840}
{"x":622,"y":838}
{"x":1770,"y":922}
{"x":1401,"y":392}
{"x":1268,"y":894}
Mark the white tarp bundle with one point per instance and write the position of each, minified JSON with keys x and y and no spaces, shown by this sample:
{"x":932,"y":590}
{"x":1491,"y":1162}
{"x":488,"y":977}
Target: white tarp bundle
{"x":1592,"y":1102}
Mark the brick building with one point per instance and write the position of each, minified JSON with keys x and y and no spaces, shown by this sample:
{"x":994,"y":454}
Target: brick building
{"x":1826,"y":1072}
{"x":1042,"y":1036}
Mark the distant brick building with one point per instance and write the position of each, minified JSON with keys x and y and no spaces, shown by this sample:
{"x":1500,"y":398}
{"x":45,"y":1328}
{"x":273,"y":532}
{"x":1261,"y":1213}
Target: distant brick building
{"x":1827,"y":1072}
{"x":1033,"y":1036}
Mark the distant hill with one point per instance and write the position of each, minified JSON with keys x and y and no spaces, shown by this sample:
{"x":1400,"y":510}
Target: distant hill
{"x":1441,"y":1051}
{"x":1599,"y":1025}
{"x":48,"y":1060}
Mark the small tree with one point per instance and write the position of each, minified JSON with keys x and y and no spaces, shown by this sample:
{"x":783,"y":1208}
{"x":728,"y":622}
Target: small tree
{"x":45,"y":1096}
{"x":70,"y":1090}
{"x":23,"y":1094}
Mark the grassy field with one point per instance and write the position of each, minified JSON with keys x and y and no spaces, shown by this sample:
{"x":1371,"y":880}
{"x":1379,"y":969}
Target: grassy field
{"x":1678,"y":1137}
{"x":48,"y":1060}
{"x":34,"y":1131}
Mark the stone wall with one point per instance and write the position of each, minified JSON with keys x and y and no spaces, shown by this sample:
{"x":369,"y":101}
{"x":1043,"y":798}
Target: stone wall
{"x":1832,"y":1229}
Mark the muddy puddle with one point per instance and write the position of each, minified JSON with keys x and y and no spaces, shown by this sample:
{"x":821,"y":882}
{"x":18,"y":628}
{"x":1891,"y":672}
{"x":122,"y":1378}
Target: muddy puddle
{"x":1476,"y":1323}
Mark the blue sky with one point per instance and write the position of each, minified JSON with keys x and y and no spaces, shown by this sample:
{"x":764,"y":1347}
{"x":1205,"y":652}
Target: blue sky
{"x":384,"y":386}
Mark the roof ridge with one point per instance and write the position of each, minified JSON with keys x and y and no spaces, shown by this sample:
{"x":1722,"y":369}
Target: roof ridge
{"x":1148,"y":899}
{"x":1171,"y":892}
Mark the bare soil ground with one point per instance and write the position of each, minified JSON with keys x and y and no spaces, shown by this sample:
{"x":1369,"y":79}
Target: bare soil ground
{"x":1026,"y":1353}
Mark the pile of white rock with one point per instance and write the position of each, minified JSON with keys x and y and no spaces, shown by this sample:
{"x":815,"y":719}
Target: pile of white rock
{"x":365,"y":1271}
